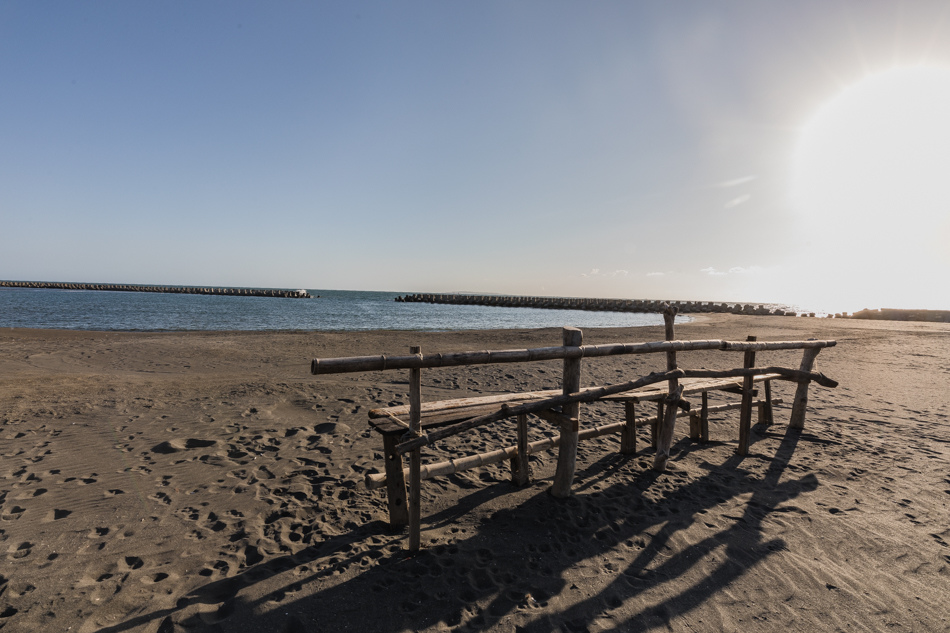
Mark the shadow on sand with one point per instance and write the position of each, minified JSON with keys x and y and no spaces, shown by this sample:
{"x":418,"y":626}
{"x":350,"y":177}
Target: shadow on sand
{"x":623,"y":528}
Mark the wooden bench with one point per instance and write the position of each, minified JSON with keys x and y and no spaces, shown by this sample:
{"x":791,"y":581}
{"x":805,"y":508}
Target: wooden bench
{"x":393,"y":422}
{"x":407,"y":429}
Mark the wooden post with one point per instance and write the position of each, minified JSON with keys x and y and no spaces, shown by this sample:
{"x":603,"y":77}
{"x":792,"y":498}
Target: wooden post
{"x":694,"y":425}
{"x":520,"y":469}
{"x":704,"y":419}
{"x":797,"y":420}
{"x":628,"y":436}
{"x":669,"y":316}
{"x":395,"y":483}
{"x":768,"y":403}
{"x":415,"y":458}
{"x":745,"y":413}
{"x":665,"y":435}
{"x":567,"y":447}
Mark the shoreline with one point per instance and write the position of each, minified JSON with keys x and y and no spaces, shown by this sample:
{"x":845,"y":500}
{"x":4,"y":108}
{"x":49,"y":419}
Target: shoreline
{"x":205,"y":481}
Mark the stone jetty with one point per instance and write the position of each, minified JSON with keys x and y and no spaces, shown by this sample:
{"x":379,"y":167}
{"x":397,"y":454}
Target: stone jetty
{"x":188,"y":290}
{"x":895,"y":314}
{"x":599,"y":305}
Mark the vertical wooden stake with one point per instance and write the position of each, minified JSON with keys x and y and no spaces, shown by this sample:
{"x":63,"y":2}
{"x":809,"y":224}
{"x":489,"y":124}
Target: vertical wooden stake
{"x":704,"y":419}
{"x":415,"y":458}
{"x":520,"y":469}
{"x":628,"y":436}
{"x":669,"y":316}
{"x":694,"y":425}
{"x":745,"y":412}
{"x":768,"y":403}
{"x":797,"y":420}
{"x":567,"y":446}
{"x":665,"y":423}
{"x":665,"y":434}
{"x":395,"y":483}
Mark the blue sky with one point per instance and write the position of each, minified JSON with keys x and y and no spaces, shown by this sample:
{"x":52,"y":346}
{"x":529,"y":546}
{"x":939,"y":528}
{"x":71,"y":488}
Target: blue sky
{"x":618,"y":149}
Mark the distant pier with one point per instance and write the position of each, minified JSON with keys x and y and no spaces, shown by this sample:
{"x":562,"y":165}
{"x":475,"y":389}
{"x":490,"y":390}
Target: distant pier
{"x":598,"y":305}
{"x":187,"y":290}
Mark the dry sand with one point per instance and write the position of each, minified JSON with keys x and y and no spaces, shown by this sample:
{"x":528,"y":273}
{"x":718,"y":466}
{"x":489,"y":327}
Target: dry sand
{"x":206,"y":482}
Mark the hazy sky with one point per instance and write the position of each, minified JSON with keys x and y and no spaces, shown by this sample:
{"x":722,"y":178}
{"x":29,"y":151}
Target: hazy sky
{"x":680,"y":150}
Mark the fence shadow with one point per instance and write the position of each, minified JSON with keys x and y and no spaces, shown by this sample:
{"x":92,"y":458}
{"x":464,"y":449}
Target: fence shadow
{"x":520,"y":560}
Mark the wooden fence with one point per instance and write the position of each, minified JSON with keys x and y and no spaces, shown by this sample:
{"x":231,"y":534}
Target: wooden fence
{"x":404,"y":431}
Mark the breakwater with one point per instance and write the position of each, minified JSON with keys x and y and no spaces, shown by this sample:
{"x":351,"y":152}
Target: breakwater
{"x":601,"y":305}
{"x":894,"y":314}
{"x":188,"y":290}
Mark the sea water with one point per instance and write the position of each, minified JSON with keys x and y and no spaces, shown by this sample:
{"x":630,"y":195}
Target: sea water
{"x":328,"y":310}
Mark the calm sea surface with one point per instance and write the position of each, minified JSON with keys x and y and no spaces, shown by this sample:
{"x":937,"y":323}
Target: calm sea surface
{"x":332,"y":310}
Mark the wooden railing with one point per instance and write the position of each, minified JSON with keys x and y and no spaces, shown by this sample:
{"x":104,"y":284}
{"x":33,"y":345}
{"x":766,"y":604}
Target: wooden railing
{"x":404,"y":432}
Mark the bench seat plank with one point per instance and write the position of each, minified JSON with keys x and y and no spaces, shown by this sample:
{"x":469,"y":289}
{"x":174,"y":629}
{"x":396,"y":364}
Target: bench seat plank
{"x":435,"y":419}
{"x":698,"y":385}
{"x":445,"y":412}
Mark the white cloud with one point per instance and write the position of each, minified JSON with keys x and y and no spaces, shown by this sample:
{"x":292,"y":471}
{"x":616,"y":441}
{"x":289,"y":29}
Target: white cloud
{"x":735,"y":270}
{"x":736,"y":182}
{"x":655,"y":274}
{"x":595,"y":272}
{"x":735,"y":202}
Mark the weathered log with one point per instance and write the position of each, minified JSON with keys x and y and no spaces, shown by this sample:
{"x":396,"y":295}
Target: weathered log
{"x":558,"y":419}
{"x":454,"y":359}
{"x":628,"y":437}
{"x":395,"y":483}
{"x":669,"y":316}
{"x":797,"y":418}
{"x":704,"y":419}
{"x":746,"y":346}
{"x":567,"y":447}
{"x":745,"y":414}
{"x":464,"y":403}
{"x":665,"y":431}
{"x":767,"y":410}
{"x":520,"y":467}
{"x":795,"y":375}
{"x":415,"y":459}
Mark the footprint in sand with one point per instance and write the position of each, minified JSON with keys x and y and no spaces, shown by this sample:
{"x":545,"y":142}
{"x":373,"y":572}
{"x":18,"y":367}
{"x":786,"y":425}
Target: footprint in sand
{"x":56,"y":515}
{"x":22,"y":550}
{"x":130,"y":563}
{"x":15,"y":513}
{"x":98,"y":532}
{"x":161,"y":497}
{"x":174,"y":446}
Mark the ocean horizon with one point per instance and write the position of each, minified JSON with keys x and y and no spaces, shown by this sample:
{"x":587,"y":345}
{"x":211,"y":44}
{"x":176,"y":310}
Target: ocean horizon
{"x":328,"y":310}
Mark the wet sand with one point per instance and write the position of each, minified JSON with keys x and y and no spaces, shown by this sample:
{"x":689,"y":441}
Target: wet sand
{"x":207,"y":482}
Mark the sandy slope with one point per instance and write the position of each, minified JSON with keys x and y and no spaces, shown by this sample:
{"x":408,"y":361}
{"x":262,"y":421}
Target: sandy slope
{"x":207,"y":482}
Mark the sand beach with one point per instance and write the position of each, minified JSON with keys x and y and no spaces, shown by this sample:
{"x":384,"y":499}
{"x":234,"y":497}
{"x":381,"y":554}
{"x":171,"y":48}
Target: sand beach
{"x":166,"y":482}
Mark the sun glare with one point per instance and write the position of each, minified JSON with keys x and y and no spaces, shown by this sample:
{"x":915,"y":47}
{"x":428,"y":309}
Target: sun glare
{"x":871,"y":186}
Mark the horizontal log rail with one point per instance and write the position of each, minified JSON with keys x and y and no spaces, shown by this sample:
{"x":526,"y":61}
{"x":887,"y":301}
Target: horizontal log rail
{"x":460,"y":464}
{"x":487,"y":357}
{"x":591,"y":395}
